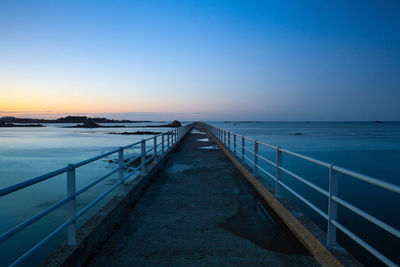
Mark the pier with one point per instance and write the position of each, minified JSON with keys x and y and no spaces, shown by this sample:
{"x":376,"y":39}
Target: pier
{"x":198,"y":199}
{"x":200,"y":210}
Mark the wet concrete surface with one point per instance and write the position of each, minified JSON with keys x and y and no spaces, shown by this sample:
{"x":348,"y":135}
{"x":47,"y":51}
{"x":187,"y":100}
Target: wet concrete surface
{"x":200,"y":211}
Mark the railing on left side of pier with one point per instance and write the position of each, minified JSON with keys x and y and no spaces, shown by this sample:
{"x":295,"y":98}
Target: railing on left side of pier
{"x":159,"y":145}
{"x":238,"y":148}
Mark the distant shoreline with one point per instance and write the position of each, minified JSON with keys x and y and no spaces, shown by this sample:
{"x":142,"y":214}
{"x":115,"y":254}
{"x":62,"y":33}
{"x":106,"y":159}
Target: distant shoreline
{"x":91,"y":124}
{"x":68,"y":119}
{"x":79,"y":121}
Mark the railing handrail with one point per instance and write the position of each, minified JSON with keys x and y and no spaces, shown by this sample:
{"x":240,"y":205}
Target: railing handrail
{"x":360,"y":176}
{"x":221,"y":134}
{"x":41,"y":178}
{"x":374,"y":181}
{"x":172,"y":136}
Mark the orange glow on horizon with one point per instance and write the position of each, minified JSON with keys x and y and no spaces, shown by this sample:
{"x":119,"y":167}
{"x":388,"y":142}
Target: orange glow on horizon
{"x":36,"y":101}
{"x":36,"y":104}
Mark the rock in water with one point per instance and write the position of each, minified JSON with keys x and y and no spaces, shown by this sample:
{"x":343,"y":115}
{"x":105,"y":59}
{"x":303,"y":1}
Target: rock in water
{"x":175,"y":123}
{"x":90,"y":124}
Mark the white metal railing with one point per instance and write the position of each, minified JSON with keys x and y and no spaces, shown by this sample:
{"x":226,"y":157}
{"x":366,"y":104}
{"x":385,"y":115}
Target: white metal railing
{"x":224,"y":136}
{"x":162,"y":143}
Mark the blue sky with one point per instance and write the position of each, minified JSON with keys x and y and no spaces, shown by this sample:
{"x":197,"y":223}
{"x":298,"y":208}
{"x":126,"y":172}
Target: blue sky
{"x":206,"y":60}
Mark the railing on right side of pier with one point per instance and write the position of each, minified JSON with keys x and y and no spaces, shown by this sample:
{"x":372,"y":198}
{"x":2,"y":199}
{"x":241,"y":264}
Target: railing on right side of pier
{"x":159,"y":145}
{"x":225,"y":137}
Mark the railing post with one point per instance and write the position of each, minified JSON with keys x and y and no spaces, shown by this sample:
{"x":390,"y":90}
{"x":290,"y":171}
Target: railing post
{"x":71,"y":189}
{"x":234,"y":144}
{"x":229,"y":140}
{"x":155,"y":148}
{"x":225,"y":137}
{"x":243,"y":144}
{"x":143,"y":159}
{"x":162,"y":143}
{"x":121,"y":171}
{"x":255,"y":159}
{"x":278,"y":171}
{"x":168,"y":137}
{"x":176,"y":135}
{"x":332,"y":206}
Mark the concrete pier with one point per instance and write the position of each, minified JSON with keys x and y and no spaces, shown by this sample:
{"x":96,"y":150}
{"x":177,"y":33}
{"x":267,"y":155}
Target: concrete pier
{"x":200,"y":210}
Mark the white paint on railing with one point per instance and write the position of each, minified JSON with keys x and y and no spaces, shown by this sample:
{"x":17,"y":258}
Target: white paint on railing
{"x":71,"y":192}
{"x":243,"y":146}
{"x":255,"y":158}
{"x":278,"y":171}
{"x":234,"y":144}
{"x":143,"y":153}
{"x":332,"y":206}
{"x":121,"y":171}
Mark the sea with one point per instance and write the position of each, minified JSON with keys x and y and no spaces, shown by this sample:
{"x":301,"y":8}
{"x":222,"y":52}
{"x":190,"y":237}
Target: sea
{"x":366,"y":147}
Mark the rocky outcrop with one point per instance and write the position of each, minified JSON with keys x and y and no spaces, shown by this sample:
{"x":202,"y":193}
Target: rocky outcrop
{"x":174,"y":124}
{"x":91,"y":124}
{"x":6,"y":124}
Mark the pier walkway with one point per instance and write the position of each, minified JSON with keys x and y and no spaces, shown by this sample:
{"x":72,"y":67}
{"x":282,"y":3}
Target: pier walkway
{"x":200,"y":210}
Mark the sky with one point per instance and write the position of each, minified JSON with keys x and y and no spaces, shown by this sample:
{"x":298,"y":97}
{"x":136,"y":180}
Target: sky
{"x":201,"y":60}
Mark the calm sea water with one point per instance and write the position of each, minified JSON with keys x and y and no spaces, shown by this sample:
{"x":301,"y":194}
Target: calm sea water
{"x":366,"y":147}
{"x":29,"y":152}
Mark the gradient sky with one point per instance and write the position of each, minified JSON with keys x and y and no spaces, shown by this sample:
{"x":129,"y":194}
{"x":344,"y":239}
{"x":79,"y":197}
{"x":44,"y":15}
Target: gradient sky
{"x":206,"y":60}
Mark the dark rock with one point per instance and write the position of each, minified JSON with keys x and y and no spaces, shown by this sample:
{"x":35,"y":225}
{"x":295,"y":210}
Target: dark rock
{"x":5,"y":124}
{"x":378,"y":121}
{"x":91,"y":124}
{"x":174,"y":124}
